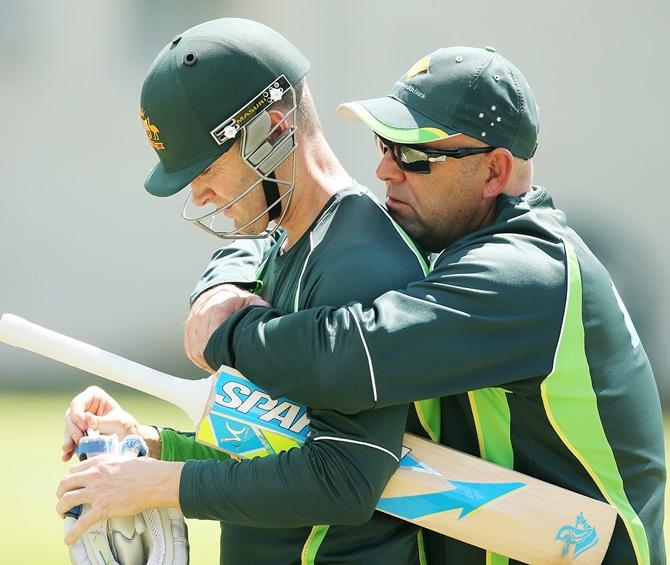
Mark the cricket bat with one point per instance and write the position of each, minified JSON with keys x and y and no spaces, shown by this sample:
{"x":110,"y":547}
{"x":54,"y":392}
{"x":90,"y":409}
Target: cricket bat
{"x":458,"y":495}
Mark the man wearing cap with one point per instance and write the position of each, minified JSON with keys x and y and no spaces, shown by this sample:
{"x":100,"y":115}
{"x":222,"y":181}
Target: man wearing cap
{"x":518,"y":328}
{"x":226,"y":107}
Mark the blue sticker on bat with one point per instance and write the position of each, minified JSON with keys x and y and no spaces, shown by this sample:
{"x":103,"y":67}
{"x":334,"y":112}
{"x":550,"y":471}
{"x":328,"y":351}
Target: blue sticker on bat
{"x":235,"y":436}
{"x":238,"y":398}
{"x":409,"y":463}
{"x":467,"y":497}
{"x":579,"y":538}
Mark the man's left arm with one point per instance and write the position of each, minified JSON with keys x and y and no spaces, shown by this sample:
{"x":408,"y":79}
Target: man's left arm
{"x":471,"y":323}
{"x":229,"y":283}
{"x":236,"y":264}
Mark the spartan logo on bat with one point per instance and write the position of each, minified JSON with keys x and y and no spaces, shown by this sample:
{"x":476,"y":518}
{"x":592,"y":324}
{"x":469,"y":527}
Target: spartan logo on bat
{"x":151,"y":131}
{"x":256,"y":405}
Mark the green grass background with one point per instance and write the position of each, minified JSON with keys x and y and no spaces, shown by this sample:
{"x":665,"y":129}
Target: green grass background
{"x":30,"y":530}
{"x":32,"y":425}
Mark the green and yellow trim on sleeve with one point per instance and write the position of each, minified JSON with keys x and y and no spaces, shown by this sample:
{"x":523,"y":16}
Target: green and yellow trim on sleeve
{"x":491,"y":414}
{"x":425,"y":267}
{"x":421,"y":547}
{"x":576,"y":420}
{"x":429,"y":412}
{"x":181,"y":446}
{"x":312,"y":545}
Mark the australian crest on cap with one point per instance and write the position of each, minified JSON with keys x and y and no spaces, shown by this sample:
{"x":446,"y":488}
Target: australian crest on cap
{"x":152,"y":132}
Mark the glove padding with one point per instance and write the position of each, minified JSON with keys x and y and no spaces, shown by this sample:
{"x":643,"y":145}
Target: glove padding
{"x":156,"y":537}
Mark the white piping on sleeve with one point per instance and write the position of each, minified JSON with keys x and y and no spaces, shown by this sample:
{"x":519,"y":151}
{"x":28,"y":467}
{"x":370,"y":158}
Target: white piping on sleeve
{"x":367,"y":353}
{"x":345,"y":440}
{"x":312,"y":246}
{"x":296,"y":299}
{"x":425,"y":267}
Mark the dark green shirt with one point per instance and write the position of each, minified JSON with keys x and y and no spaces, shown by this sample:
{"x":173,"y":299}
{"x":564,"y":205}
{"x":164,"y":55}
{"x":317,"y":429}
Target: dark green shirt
{"x":520,"y":330}
{"x":268,"y":506}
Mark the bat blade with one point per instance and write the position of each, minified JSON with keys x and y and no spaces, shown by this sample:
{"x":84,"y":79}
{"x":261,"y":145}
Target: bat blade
{"x":436,"y":487}
{"x":496,"y":508}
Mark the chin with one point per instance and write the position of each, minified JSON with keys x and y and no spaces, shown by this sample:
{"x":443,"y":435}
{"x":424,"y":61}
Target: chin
{"x":411,"y":228}
{"x":427,"y":241}
{"x":256,"y":228}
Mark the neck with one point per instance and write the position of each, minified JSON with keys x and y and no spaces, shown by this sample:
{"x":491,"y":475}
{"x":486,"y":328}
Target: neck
{"x":318,"y":176}
{"x":521,"y":179}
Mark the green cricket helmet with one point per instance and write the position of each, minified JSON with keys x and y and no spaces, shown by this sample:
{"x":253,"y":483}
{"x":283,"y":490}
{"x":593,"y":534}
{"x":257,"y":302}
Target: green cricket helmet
{"x":214,"y":84}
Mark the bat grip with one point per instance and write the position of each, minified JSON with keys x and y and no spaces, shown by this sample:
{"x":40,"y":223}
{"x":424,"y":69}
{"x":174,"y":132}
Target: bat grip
{"x":190,"y":396}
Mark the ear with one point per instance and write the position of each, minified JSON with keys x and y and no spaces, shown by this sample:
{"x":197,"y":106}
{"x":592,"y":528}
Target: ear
{"x":500,"y":164}
{"x":277,"y":117}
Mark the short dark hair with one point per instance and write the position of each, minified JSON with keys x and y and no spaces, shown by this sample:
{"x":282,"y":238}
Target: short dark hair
{"x":307,"y":117}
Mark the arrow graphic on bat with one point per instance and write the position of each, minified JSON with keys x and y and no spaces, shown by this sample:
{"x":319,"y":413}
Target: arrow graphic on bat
{"x":467,"y":497}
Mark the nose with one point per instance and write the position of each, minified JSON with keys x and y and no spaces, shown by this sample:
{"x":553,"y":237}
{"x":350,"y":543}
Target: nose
{"x":388,"y":170}
{"x":200,"y":194}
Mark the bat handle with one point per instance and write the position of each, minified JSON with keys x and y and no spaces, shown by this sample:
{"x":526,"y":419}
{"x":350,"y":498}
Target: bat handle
{"x":190,"y":396}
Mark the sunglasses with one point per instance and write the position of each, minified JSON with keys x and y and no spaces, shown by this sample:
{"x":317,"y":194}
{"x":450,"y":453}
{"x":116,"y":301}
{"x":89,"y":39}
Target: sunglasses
{"x":409,"y":158}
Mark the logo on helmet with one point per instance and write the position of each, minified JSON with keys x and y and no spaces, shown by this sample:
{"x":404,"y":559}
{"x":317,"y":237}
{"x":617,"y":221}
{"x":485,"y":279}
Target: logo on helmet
{"x":151,"y":131}
{"x":268,"y":96}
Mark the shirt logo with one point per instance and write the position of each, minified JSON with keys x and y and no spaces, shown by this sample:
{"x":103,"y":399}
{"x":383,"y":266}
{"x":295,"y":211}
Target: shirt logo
{"x":422,"y":66}
{"x":152,"y":132}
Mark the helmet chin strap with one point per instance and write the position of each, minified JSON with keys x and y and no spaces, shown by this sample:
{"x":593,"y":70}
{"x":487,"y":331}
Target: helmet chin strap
{"x":271,"y":191}
{"x":257,"y":149}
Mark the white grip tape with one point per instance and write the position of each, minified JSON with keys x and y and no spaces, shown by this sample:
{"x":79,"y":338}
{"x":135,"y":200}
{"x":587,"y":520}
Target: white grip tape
{"x":190,"y":396}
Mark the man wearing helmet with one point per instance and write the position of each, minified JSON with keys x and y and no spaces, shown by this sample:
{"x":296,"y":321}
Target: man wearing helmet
{"x":518,"y":327}
{"x":228,"y":111}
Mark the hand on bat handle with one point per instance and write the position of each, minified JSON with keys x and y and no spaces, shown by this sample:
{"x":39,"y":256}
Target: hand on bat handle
{"x":208,"y":312}
{"x":95,"y":409}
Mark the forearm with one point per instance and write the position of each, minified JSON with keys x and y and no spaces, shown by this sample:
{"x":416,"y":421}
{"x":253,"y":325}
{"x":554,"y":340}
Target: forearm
{"x":337,"y":477}
{"x":320,"y":483}
{"x":260,"y":343}
{"x":437,"y":338}
{"x":181,"y":446}
{"x":164,"y":490}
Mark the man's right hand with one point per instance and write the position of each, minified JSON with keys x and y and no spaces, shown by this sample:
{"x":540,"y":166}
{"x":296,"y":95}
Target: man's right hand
{"x":96,"y":410}
{"x":208,"y":312}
